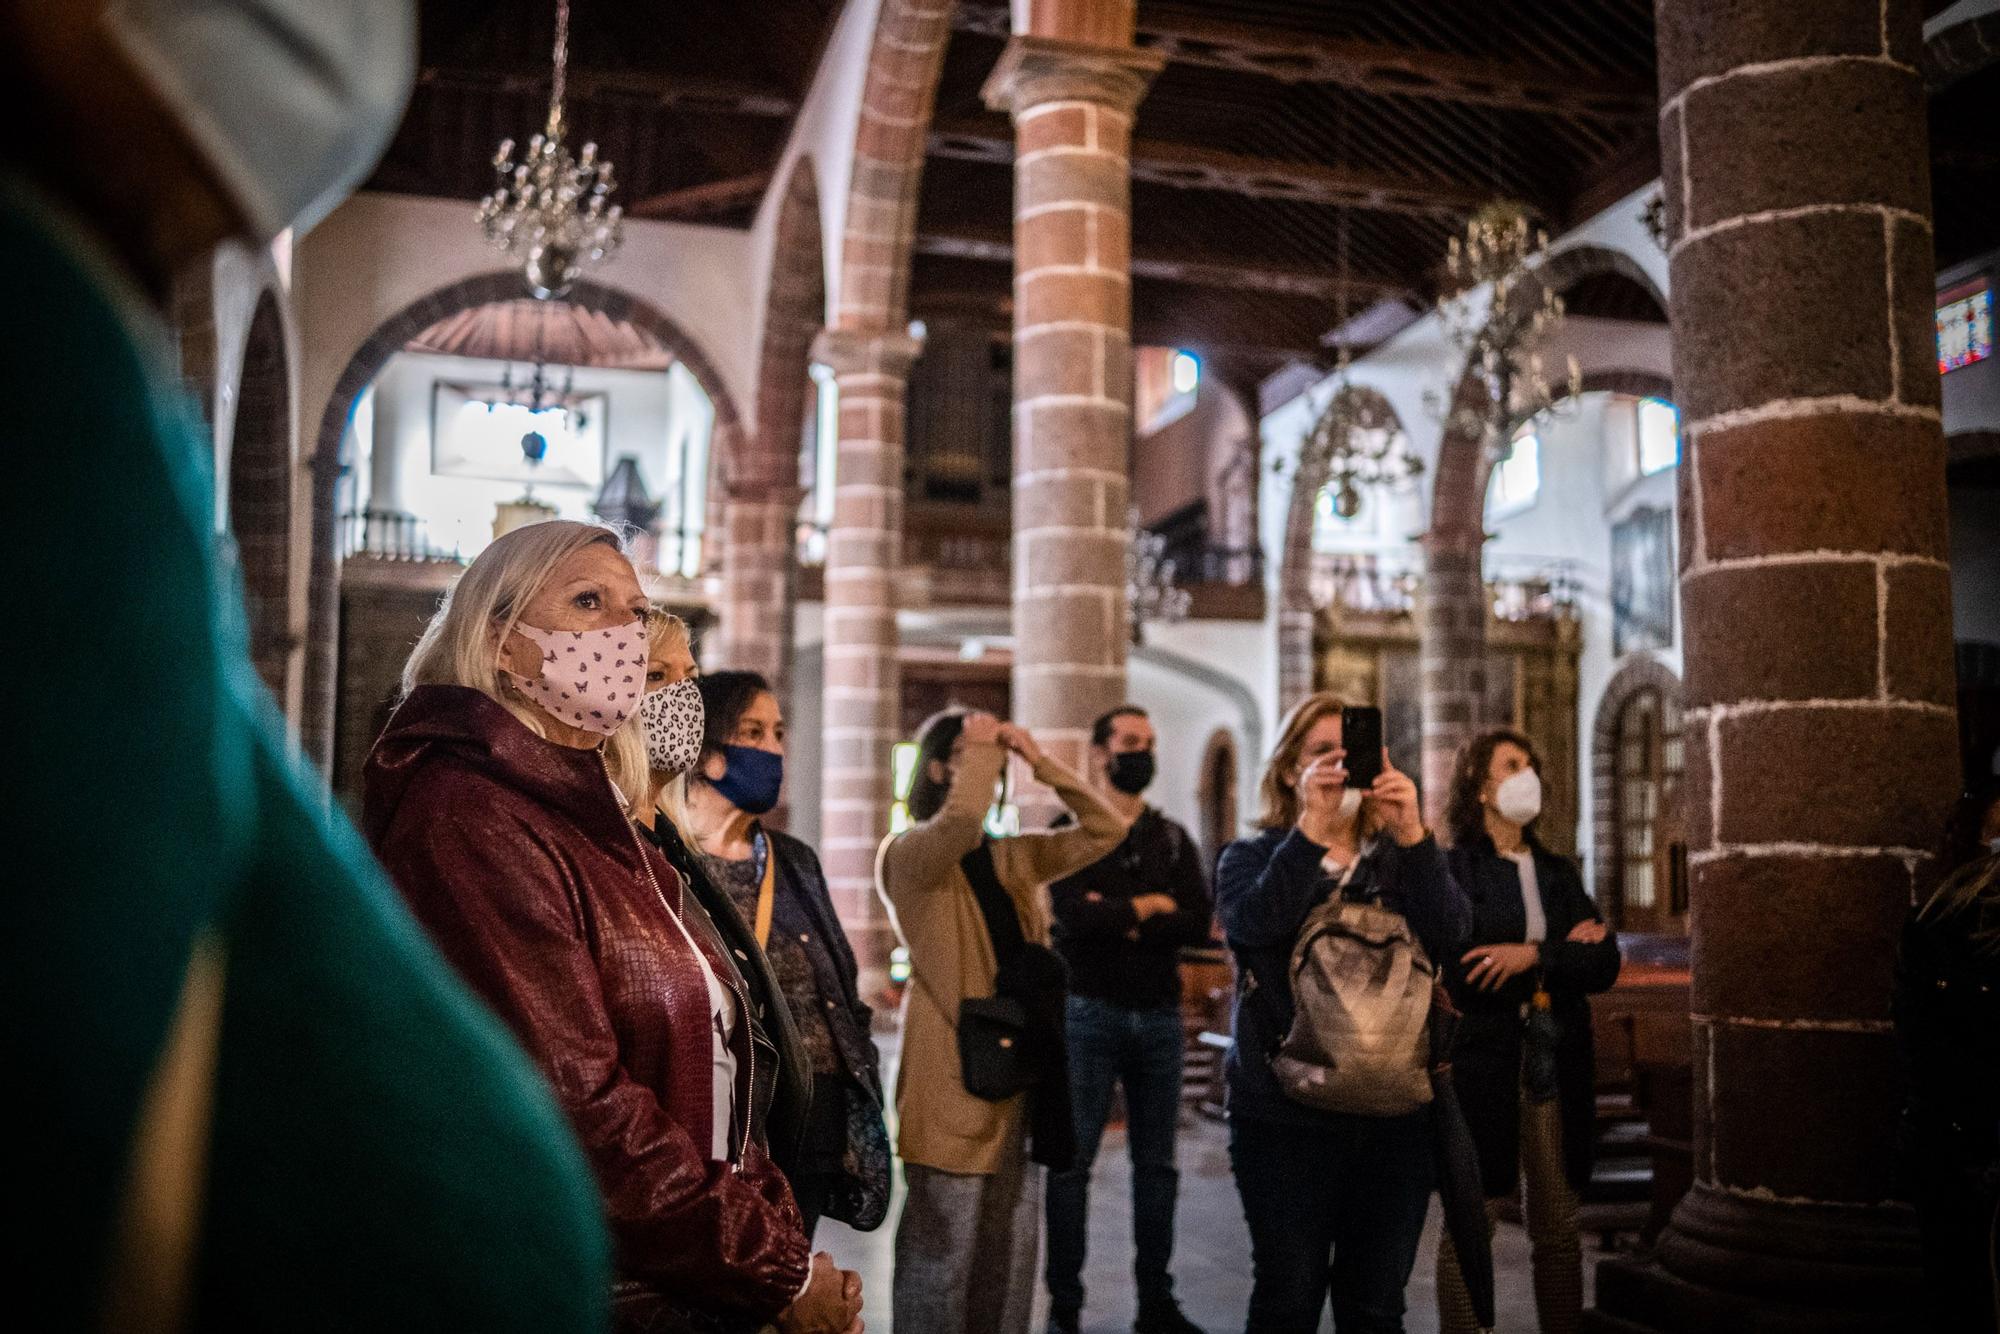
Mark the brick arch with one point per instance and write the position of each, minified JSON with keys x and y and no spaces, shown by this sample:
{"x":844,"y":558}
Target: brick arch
{"x":259,"y":496}
{"x":1296,"y":614}
{"x":1960,"y":50}
{"x":1641,"y":673}
{"x":1458,"y":493}
{"x":761,"y":488}
{"x":367,"y":361}
{"x":904,"y":61}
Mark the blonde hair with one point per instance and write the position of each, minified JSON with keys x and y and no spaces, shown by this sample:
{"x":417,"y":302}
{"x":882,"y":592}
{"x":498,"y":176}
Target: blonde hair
{"x":665,"y":630}
{"x":1280,"y":787}
{"x":461,"y":645}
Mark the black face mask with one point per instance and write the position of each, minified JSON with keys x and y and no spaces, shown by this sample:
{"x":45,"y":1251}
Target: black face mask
{"x":1131,"y":771}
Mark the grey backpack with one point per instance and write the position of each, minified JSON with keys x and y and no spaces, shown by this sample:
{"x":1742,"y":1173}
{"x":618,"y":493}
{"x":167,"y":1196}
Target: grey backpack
{"x":1361,"y":991}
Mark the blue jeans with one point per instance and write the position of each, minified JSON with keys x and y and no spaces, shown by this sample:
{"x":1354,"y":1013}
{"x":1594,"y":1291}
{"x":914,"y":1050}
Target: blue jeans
{"x":1357,"y":1189}
{"x":1109,"y":1044}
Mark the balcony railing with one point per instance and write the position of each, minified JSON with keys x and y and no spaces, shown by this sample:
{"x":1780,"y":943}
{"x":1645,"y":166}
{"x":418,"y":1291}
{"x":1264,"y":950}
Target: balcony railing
{"x":389,"y":535}
{"x":1522,"y":588}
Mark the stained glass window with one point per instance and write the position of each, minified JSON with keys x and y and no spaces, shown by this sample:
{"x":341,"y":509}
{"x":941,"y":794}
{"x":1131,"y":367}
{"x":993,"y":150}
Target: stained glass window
{"x":1964,"y":325}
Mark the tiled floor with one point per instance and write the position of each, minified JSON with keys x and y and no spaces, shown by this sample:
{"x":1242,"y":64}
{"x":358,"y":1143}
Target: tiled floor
{"x":1212,"y":1252}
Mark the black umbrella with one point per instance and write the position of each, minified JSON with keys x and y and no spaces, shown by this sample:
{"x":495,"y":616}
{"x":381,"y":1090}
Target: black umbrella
{"x":1459,"y":1187}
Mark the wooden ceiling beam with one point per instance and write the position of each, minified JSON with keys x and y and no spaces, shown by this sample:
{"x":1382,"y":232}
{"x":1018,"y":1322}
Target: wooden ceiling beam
{"x":1197,"y":271}
{"x":698,"y":201}
{"x":734,"y":97}
{"x":1189,"y":167}
{"x":1291,"y":56}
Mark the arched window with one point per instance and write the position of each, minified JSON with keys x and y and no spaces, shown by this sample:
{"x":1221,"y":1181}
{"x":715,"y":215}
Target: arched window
{"x":1650,"y":872}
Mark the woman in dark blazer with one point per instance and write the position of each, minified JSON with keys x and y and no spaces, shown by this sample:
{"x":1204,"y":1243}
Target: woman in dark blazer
{"x":1525,"y":1063}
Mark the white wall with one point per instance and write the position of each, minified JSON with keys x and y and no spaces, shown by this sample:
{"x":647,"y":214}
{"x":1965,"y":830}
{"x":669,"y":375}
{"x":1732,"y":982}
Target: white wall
{"x":1194,"y":679}
{"x":377,"y":253}
{"x":658,"y":417}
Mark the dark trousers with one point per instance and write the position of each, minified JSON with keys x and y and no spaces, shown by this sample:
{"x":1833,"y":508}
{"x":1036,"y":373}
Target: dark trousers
{"x":1354,"y":1189}
{"x":1142,"y":1049}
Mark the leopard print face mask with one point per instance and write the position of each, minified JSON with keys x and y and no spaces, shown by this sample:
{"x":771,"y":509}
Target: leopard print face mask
{"x":673,"y":718}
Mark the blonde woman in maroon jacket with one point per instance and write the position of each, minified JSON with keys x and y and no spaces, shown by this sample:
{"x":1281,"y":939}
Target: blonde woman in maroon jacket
{"x":497,"y":799}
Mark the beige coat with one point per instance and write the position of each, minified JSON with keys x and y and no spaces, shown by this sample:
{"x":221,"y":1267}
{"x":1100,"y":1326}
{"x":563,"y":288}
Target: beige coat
{"x":951,"y":957}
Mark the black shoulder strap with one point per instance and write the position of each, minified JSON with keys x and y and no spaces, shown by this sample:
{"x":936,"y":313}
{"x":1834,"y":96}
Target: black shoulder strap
{"x":1003,"y":923}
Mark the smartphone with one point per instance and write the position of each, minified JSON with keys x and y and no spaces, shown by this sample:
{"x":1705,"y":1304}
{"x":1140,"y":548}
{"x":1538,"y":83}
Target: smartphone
{"x":1361,"y":737}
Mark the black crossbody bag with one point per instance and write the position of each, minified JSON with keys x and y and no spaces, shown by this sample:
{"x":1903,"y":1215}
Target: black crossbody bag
{"x":996,"y":1048}
{"x":1014,"y":1041}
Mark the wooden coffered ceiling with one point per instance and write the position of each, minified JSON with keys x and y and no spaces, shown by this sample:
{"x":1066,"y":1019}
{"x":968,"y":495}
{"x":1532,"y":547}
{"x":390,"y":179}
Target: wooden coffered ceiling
{"x":691,"y":101}
{"x":1298,"y":161}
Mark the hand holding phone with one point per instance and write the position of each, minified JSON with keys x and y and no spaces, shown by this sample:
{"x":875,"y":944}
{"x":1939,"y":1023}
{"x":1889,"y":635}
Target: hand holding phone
{"x":1361,"y":738}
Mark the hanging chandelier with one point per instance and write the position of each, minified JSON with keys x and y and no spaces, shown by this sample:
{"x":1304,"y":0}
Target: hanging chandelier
{"x":549,"y":207}
{"x":1356,"y":444}
{"x":1150,"y":591}
{"x":1501,"y":336}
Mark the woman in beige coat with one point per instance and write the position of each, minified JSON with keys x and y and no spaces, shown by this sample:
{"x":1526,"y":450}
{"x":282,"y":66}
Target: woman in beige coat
{"x":966,"y":1246}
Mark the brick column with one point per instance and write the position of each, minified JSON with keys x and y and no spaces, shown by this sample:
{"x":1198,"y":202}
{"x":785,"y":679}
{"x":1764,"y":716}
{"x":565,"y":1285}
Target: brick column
{"x":759,"y":545}
{"x":1451,"y":657}
{"x":1072,"y":104}
{"x":863,"y":698}
{"x":1820,"y":742}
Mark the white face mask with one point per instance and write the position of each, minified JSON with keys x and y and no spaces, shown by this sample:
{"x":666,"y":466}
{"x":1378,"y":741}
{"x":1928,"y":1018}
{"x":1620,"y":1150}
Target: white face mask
{"x":290,"y":102}
{"x":1518,"y":799}
{"x":673,"y":718}
{"x":1350,"y":802}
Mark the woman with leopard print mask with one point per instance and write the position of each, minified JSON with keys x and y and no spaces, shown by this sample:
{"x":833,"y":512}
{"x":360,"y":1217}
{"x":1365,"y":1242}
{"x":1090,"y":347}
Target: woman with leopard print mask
{"x":717,"y":748}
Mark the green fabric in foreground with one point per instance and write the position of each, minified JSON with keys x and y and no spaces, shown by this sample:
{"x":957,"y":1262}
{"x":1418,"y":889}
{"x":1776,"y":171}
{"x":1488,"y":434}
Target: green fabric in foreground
{"x":383,"y":1157}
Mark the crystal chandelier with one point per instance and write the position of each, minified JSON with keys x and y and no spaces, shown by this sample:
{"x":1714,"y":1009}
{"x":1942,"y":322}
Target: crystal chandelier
{"x":552,"y":209}
{"x":1501,"y":337}
{"x":1150,"y":591}
{"x":1356,"y":444}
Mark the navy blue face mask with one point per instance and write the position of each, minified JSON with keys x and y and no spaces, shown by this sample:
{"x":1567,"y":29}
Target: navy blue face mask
{"x":752,"y":780}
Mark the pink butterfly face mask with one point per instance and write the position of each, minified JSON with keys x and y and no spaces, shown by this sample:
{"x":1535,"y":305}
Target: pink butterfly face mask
{"x":591,"y":679}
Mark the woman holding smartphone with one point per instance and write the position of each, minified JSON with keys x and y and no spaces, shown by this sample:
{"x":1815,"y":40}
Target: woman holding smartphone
{"x":1335,"y":1201}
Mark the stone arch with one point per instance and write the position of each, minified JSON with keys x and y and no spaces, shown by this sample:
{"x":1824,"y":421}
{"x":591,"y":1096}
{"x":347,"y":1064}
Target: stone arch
{"x":1217,"y":793}
{"x":367,"y":361}
{"x":904,"y":61}
{"x":1640,"y":673}
{"x":1296,"y":614}
{"x":259,"y":494}
{"x":1458,"y":491}
{"x":1960,"y":50}
{"x":761,"y":487}
{"x":1453,"y":607}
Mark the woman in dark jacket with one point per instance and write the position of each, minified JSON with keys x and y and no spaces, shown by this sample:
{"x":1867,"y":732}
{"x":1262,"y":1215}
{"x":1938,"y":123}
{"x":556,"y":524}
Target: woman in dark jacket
{"x":1527,"y":1085}
{"x":1317,"y":1183}
{"x":495,"y":800}
{"x":827,"y":1132}
{"x":1947,"y":1011}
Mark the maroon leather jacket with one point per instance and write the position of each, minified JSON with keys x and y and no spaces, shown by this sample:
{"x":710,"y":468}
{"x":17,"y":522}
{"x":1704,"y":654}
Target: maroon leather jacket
{"x":516,"y":856}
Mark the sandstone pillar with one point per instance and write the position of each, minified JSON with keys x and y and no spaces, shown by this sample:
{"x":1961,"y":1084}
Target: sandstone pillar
{"x":1821,"y":748}
{"x":1451,"y":657}
{"x":758,"y":549}
{"x":863,"y":692}
{"x":1072,"y":102}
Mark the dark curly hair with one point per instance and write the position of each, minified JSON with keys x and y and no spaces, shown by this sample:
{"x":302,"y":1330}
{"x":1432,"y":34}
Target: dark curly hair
{"x":1464,"y":813}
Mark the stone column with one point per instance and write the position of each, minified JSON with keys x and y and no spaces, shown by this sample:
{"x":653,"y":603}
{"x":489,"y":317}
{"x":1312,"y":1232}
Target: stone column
{"x":863,"y":694}
{"x":759,"y":544}
{"x":1072,"y":104}
{"x":1821,"y":746}
{"x":1451,"y":657}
